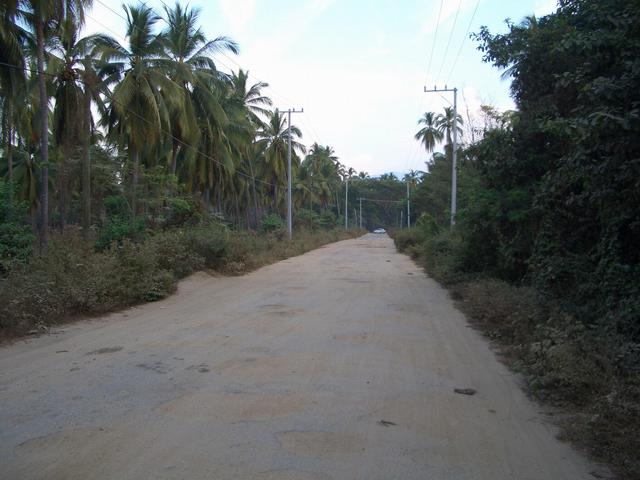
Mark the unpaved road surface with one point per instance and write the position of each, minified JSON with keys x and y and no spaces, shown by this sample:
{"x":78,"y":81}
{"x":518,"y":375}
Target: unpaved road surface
{"x":338,"y":364}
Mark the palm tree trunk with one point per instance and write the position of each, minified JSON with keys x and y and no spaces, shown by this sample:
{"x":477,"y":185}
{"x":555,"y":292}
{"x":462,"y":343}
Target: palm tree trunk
{"x":44,"y":135}
{"x":9,"y":148}
{"x":135,"y":160}
{"x":237,"y":208}
{"x":247,"y":211}
{"x":255,"y":196}
{"x":174,"y":158}
{"x":86,"y":168}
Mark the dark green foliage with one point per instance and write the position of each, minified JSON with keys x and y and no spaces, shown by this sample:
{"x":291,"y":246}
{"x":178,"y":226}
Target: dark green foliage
{"x":211,"y":243}
{"x":117,"y":229}
{"x":307,"y":219}
{"x":16,"y":236}
{"x":272,"y":223}
{"x":570,"y":166}
{"x":180,"y":212}
{"x":327,"y":219}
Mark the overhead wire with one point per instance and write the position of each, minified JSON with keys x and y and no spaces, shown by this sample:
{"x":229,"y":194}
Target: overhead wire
{"x":446,"y":50}
{"x":464,"y":38}
{"x":433,"y":43}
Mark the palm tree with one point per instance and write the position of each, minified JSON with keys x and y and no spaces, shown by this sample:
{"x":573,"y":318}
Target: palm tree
{"x":248,"y":105}
{"x":139,"y":110}
{"x":188,"y":49}
{"x":274,"y":139}
{"x":78,"y":83}
{"x":12,"y":79}
{"x":444,"y":123}
{"x":252,"y":98}
{"x":44,"y":16}
{"x":429,"y":135}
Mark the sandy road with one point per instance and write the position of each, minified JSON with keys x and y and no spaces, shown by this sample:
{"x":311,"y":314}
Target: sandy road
{"x":285,"y":373}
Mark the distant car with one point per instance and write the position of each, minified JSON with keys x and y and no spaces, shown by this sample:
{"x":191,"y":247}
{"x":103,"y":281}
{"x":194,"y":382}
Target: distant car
{"x":379,"y":230}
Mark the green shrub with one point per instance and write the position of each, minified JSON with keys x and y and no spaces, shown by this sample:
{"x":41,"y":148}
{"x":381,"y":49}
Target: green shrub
{"x":441,"y":256}
{"x":307,"y":219}
{"x":116,"y":206}
{"x":327,"y":220}
{"x":210,"y":242}
{"x":272,"y":223}
{"x":116,"y":229}
{"x":179,"y":212}
{"x":16,"y":236}
{"x":176,"y":252}
{"x":404,"y":239}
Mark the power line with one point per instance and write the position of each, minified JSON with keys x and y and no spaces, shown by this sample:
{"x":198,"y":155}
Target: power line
{"x":433,"y":44}
{"x":464,"y":38}
{"x":446,"y":50}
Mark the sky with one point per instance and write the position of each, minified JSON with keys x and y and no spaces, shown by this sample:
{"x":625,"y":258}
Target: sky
{"x":357,"y":67}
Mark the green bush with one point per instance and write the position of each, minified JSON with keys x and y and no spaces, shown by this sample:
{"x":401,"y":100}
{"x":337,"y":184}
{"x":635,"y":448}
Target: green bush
{"x":176,"y":253}
{"x":210,"y":242}
{"x":16,"y":236}
{"x":407,"y":238}
{"x":180,"y":212}
{"x":327,"y":220}
{"x":307,"y":219}
{"x":272,"y":223}
{"x":117,"y":229}
{"x":116,"y":205}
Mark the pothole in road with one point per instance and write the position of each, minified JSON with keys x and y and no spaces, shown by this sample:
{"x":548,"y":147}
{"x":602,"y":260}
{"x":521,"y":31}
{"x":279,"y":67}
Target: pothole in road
{"x":290,"y":475}
{"x":232,"y":407}
{"x":250,"y":368}
{"x":318,"y":443}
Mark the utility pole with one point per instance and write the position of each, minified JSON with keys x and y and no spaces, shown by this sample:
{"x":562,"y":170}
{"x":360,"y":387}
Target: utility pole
{"x":408,"y":208}
{"x":360,"y":213}
{"x":346,"y":204}
{"x":289,"y":206}
{"x":454,"y":153}
{"x":401,"y":218}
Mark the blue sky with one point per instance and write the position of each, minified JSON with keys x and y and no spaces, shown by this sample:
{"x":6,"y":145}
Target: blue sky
{"x":357,"y":67}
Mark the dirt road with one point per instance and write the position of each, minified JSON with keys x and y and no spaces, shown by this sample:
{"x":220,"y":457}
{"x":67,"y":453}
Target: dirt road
{"x":338,"y":364}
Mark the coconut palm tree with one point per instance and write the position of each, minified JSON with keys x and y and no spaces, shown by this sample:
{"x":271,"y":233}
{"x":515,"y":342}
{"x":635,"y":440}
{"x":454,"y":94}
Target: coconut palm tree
{"x":141,"y":104}
{"x":430,"y":134}
{"x":274,"y":137}
{"x":188,"y":48}
{"x":44,"y":17}
{"x":12,"y":76}
{"x":445,"y":124}
{"x":78,"y":82}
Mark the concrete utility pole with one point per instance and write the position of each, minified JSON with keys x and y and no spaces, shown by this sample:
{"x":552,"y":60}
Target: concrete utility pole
{"x":401,"y":218}
{"x":289,"y":206}
{"x":346,"y":204}
{"x":360,"y":213}
{"x":454,"y":153}
{"x":408,"y":208}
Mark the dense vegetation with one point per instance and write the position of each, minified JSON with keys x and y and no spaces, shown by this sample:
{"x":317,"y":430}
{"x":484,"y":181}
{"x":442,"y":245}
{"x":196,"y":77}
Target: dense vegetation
{"x":545,"y":251}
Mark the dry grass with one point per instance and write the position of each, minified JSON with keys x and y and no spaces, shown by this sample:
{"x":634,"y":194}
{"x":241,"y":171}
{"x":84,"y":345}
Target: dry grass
{"x":73,"y":280}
